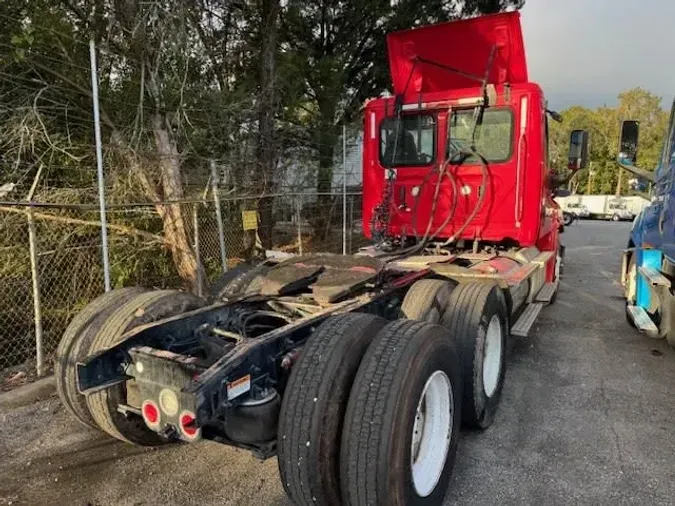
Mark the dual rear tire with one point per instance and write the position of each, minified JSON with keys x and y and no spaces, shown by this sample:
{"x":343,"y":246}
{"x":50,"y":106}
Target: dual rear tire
{"x":346,"y":422}
{"x":372,"y":411}
{"x":476,"y":317}
{"x":101,"y":325}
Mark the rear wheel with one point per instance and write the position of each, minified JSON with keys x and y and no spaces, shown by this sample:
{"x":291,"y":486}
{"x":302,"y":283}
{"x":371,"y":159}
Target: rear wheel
{"x":477,"y":318}
{"x":74,"y":346}
{"x":310,"y":423}
{"x":103,"y":404}
{"x":402,"y":422}
{"x":426,"y":300}
{"x":630,"y":288}
{"x":241,"y":279}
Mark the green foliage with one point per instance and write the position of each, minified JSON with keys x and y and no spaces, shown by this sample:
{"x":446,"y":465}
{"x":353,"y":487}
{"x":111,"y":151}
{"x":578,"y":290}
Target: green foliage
{"x":603,"y":126}
{"x":337,"y":57}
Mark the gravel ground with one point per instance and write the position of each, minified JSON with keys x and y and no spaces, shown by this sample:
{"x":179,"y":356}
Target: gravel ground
{"x":585,"y":419}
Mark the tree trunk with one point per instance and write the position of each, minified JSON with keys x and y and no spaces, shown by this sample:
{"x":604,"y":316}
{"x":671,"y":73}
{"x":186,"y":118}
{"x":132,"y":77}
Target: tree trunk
{"x":172,"y":214}
{"x":266,"y":149}
{"x":618,"y":182}
{"x":324,"y":183}
{"x":169,"y":188}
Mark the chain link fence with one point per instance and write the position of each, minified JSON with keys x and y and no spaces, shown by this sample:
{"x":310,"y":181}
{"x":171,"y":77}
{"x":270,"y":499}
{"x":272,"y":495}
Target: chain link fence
{"x":51,"y":255}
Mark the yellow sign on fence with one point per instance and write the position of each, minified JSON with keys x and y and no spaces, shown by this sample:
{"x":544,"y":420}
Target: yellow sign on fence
{"x":250,"y":220}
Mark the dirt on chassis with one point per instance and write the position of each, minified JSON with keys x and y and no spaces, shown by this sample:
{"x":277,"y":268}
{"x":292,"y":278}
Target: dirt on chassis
{"x":356,"y":371}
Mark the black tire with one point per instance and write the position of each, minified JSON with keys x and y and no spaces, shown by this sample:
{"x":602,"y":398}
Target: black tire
{"x":472,"y":308}
{"x":616,"y":217}
{"x":375,"y":457}
{"x":560,"y":256}
{"x":314,"y":404}
{"x":631,"y":267}
{"x":141,"y":309}
{"x":240,"y":279}
{"x":668,"y":324}
{"x":220,"y":284}
{"x":426,"y":300}
{"x":72,"y":349}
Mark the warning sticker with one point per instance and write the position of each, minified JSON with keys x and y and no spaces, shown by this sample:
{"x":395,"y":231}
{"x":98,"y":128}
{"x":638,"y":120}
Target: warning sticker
{"x":238,"y":387}
{"x":250,"y":220}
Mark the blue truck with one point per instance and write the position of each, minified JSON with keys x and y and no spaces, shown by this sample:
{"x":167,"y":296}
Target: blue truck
{"x":648,"y":266}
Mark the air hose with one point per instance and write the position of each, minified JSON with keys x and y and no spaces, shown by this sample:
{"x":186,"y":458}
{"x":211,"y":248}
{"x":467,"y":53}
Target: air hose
{"x":481,"y":196}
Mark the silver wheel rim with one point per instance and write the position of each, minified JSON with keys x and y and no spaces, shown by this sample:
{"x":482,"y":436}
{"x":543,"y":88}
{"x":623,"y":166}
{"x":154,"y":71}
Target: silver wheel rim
{"x":432,"y":432}
{"x":492,"y":356}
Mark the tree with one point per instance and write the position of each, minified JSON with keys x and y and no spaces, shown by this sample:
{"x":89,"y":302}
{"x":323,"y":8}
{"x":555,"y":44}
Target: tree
{"x":167,"y":92}
{"x":603,"y":126}
{"x":338,"y":50}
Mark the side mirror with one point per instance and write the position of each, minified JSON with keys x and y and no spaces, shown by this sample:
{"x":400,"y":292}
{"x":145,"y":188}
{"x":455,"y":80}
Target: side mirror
{"x":628,"y":143}
{"x":578,"y":154}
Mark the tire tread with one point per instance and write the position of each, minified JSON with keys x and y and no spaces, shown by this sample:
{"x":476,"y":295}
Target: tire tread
{"x":69,"y":352}
{"x":312,"y":379}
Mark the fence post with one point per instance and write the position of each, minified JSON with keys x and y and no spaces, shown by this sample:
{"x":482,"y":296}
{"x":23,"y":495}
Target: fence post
{"x":344,"y":189}
{"x":99,"y":166}
{"x":37,"y":308}
{"x":351,"y":223}
{"x":298,"y":214}
{"x":198,"y":257}
{"x":219,"y":215}
{"x":34,"y":271}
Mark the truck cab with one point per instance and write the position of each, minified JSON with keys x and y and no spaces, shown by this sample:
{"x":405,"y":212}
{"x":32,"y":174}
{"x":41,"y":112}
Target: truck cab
{"x":648,"y":266}
{"x":459,"y":153}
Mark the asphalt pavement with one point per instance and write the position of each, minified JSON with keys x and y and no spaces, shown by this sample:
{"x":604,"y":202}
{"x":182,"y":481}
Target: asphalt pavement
{"x":586,"y":418}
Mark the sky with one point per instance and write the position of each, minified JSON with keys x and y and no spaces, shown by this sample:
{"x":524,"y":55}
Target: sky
{"x":587,"y":51}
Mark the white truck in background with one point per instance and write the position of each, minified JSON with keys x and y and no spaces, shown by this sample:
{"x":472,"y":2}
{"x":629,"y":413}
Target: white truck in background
{"x":604,"y":207}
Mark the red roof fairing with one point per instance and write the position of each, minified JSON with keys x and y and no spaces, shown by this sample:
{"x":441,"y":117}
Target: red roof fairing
{"x":464,"y":45}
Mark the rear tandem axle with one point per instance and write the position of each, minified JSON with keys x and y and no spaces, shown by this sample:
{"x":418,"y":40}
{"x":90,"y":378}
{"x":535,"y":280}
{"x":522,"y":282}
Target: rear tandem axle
{"x":291,"y":354}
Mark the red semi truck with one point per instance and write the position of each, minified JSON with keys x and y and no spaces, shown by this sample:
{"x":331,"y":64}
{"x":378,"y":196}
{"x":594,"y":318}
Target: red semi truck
{"x":358,"y":371}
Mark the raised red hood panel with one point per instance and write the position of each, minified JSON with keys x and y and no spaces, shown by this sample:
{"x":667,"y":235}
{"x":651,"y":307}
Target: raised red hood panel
{"x":464,"y":45}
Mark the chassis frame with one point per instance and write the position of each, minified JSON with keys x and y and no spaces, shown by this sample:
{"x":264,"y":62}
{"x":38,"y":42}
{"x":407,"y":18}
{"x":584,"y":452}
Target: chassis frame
{"x":157,"y":355}
{"x":264,"y":360}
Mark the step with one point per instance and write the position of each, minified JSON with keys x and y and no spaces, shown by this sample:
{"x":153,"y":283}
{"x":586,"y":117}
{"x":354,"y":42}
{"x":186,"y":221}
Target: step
{"x":642,"y":321}
{"x":526,"y":320}
{"x":654,"y":277}
{"x":547,"y":292}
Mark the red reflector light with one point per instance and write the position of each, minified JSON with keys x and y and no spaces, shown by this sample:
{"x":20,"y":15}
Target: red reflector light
{"x":185,"y":422}
{"x":189,"y":430}
{"x":150,"y":413}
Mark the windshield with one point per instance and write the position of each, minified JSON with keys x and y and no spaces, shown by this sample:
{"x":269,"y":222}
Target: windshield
{"x":416,"y":143}
{"x":494,"y":135}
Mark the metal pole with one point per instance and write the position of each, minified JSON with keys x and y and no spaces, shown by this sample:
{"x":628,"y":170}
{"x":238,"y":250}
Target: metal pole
{"x":298,"y":206}
{"x":37,"y":305}
{"x":351,"y":223}
{"x":198,"y":257}
{"x":99,"y":166}
{"x":589,"y":190}
{"x":219,"y":214}
{"x":344,"y":189}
